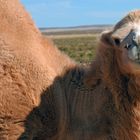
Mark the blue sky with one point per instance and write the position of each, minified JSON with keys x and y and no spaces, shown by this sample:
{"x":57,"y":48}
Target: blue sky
{"x":63,"y":13}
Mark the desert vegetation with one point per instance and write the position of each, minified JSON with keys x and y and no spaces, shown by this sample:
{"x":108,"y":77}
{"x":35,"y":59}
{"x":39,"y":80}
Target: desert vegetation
{"x":80,"y":43}
{"x":81,"y":49}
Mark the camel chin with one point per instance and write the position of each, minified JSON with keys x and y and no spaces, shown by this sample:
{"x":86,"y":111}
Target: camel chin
{"x":134,"y":54}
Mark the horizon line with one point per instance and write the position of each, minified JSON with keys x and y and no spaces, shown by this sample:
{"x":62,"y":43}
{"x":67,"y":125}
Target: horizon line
{"x":75,"y":26}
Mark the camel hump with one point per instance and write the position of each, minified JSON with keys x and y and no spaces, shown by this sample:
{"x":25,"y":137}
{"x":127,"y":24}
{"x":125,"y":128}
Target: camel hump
{"x":15,"y":22}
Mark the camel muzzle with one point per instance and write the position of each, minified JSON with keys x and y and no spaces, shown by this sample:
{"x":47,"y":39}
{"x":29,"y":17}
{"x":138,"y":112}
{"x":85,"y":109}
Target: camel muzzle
{"x":132,"y":43}
{"x":131,"y":40}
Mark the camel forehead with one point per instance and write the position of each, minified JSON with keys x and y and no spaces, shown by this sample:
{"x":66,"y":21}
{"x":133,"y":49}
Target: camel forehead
{"x":137,"y":27}
{"x":129,"y":22}
{"x":131,"y":18}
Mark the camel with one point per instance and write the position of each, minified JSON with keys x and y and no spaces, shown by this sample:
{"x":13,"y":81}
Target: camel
{"x":44,"y":95}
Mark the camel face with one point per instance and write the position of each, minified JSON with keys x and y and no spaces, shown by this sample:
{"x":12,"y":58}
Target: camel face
{"x":126,"y":34}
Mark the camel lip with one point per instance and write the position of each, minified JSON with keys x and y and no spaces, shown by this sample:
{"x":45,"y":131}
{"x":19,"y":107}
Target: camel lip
{"x":130,"y":46}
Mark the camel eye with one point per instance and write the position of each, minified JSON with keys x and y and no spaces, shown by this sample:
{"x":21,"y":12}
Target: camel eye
{"x":117,"y":41}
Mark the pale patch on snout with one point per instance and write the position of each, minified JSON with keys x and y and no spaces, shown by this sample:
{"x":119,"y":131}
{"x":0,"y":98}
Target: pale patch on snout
{"x":133,"y":53}
{"x":137,"y":28}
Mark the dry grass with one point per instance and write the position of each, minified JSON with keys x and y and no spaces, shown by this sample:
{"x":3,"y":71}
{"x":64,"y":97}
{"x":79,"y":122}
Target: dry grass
{"x":80,"y":45}
{"x":82,"y":48}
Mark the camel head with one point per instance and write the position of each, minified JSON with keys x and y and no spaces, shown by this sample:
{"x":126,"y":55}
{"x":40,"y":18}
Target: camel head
{"x":126,"y":35}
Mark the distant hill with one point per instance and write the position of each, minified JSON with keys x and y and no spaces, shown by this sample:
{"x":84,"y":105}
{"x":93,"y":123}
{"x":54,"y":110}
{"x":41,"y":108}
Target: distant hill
{"x":86,"y":29}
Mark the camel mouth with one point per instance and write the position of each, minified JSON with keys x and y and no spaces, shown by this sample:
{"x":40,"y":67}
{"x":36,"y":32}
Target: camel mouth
{"x":132,"y":44}
{"x":134,"y":54}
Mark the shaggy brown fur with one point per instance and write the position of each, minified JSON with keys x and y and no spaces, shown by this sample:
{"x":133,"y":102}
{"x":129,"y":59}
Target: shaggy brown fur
{"x":28,"y":65}
{"x":46,"y":96}
{"x":100,"y":103}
